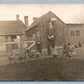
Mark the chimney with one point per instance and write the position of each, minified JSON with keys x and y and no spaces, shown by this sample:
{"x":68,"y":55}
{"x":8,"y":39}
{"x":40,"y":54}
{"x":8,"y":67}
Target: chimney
{"x":26,"y":21}
{"x":35,"y":18}
{"x":17,"y":17}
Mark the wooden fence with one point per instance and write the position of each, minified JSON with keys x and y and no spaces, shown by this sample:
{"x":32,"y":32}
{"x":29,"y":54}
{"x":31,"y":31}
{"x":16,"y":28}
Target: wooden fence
{"x":9,"y":48}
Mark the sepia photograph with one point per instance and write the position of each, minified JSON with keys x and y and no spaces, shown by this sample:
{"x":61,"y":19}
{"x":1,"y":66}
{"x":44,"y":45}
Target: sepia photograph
{"x":41,"y":42}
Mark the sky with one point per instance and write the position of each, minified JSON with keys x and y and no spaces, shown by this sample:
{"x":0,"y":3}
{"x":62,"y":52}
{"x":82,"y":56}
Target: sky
{"x":41,"y":1}
{"x":69,"y":13}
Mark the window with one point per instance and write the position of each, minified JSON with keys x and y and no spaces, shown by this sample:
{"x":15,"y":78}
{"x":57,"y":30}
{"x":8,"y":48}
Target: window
{"x":77,"y":33}
{"x":13,"y":37}
{"x":71,"y":33}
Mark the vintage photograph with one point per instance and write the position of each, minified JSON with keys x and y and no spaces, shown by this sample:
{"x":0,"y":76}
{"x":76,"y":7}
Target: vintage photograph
{"x":41,"y":42}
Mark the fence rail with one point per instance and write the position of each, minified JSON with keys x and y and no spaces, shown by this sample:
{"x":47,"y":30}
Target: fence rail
{"x":8,"y":48}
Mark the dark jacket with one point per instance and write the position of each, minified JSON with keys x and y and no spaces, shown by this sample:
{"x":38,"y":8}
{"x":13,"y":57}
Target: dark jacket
{"x":51,"y":33}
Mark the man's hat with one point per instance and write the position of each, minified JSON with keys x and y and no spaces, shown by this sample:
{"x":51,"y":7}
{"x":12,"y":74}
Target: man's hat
{"x":52,"y":20}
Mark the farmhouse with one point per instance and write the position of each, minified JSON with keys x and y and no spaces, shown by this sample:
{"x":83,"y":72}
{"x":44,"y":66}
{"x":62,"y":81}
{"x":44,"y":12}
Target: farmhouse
{"x":11,"y":32}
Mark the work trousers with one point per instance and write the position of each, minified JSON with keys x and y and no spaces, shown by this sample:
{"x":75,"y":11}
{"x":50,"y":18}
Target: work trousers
{"x":51,"y":43}
{"x":39,"y":47}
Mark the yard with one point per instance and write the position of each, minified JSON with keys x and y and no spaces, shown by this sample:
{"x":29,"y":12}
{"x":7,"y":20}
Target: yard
{"x":48,"y":68}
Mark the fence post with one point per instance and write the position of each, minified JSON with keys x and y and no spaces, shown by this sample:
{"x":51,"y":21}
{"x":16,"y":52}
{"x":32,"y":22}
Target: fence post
{"x":21,"y":44}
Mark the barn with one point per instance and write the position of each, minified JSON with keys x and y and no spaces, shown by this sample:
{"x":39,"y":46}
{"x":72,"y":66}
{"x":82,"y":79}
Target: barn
{"x":41,"y":24}
{"x":66,"y":33}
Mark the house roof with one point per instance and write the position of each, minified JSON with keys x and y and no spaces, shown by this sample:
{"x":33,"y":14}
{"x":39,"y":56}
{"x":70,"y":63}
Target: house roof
{"x":43,"y":19}
{"x":77,"y":25}
{"x":11,"y":27}
{"x":72,"y":25}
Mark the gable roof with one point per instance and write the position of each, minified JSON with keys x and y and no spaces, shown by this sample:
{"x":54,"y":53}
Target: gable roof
{"x":43,"y":19}
{"x":11,"y":27}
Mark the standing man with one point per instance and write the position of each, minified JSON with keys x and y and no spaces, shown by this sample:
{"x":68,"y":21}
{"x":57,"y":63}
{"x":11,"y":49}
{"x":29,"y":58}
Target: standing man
{"x":38,"y":42}
{"x":51,"y":37}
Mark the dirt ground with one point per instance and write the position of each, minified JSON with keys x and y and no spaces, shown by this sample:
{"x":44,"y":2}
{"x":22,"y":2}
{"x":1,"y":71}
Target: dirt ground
{"x":44,"y":69}
{"x":48,"y":68}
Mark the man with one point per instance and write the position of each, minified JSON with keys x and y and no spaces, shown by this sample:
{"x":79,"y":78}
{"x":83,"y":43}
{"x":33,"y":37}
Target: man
{"x":69,"y":50}
{"x":51,"y":37}
{"x":38,"y":42}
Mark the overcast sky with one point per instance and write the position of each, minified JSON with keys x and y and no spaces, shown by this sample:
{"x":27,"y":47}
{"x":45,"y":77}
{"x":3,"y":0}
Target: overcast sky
{"x":69,"y":13}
